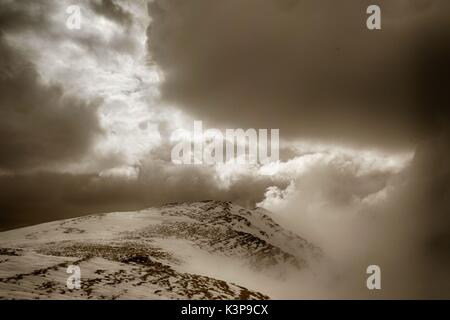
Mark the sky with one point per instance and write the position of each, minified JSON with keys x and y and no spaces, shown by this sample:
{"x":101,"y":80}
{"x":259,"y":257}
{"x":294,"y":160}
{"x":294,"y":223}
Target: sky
{"x":87,"y":115}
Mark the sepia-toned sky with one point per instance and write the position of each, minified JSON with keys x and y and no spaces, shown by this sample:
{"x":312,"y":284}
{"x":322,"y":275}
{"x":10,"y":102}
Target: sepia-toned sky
{"x":86,"y":115}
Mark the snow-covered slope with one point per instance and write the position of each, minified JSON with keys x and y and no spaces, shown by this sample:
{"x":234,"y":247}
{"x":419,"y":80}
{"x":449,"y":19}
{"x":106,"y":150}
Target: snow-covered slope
{"x":201,"y":250}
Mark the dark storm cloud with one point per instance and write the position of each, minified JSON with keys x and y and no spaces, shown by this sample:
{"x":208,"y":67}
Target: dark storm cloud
{"x":430,"y":172}
{"x":310,"y":68}
{"x":13,"y":17}
{"x":409,"y":233}
{"x":113,"y":11}
{"x":39,"y":124}
{"x":25,"y":17}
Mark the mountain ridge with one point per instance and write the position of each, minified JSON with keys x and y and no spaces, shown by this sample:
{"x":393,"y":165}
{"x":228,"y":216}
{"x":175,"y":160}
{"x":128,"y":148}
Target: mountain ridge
{"x":176,"y":251}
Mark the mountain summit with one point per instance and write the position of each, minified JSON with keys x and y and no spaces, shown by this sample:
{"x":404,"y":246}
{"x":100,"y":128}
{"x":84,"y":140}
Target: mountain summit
{"x":200,"y":250}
